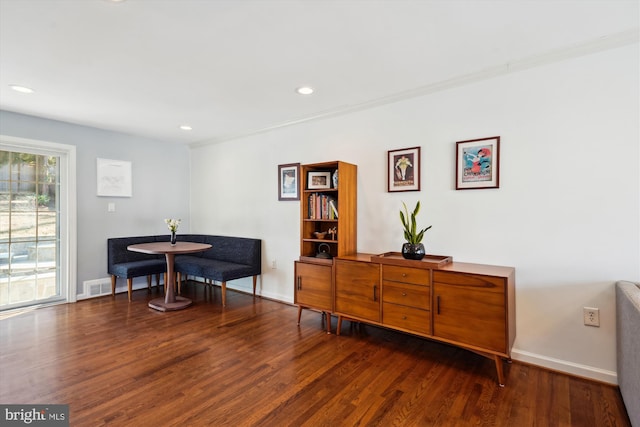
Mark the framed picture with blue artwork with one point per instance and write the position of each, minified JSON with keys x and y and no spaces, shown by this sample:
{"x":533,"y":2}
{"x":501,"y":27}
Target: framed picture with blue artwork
{"x":478,"y":163}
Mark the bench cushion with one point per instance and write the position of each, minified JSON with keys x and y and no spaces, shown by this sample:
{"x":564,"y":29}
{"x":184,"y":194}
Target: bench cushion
{"x":223,"y":270}
{"x":139,"y":268}
{"x":214,"y":269}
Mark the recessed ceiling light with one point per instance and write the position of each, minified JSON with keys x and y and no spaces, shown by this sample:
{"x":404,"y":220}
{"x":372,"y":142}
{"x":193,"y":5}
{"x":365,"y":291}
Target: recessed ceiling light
{"x":21,"y":89}
{"x":186,"y":127}
{"x":305,"y":90}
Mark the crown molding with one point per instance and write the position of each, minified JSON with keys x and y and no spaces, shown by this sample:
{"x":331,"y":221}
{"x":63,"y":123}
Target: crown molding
{"x":600,"y":44}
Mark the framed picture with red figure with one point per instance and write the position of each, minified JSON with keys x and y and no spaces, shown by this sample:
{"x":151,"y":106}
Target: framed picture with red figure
{"x":478,"y":163}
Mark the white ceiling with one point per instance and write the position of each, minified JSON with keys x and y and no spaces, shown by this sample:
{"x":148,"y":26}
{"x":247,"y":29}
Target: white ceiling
{"x":230,"y":68}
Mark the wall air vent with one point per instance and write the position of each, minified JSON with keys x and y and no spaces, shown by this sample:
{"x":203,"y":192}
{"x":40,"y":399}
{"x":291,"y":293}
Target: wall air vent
{"x":96,"y":288}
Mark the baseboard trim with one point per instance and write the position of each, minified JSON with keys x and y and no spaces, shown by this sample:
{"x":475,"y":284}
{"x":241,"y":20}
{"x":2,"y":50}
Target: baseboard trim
{"x":246,"y":286}
{"x":575,"y":369}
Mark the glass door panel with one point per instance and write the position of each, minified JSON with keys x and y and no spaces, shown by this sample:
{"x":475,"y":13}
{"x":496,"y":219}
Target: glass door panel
{"x":29,"y":229}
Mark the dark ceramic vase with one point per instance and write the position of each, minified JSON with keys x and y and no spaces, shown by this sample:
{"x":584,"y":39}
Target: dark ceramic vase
{"x":173,"y":238}
{"x":413,"y":251}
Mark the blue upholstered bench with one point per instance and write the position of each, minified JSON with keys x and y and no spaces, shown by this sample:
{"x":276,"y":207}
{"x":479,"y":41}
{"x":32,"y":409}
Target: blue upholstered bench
{"x":229,"y":258}
{"x":127,"y":264}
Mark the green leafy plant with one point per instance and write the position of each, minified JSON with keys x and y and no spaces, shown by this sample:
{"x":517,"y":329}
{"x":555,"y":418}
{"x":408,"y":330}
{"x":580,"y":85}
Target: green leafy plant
{"x":411,"y":233}
{"x":43,"y":199}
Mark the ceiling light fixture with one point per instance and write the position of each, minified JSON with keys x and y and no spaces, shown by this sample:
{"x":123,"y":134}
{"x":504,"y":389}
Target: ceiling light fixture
{"x":186,"y":127}
{"x":21,"y":89}
{"x":305,"y":90}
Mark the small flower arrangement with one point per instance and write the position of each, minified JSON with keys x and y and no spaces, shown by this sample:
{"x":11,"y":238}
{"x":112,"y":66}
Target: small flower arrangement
{"x":172,"y":224}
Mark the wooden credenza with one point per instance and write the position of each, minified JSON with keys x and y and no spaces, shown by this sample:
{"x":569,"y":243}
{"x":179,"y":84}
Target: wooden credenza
{"x":468,"y":305}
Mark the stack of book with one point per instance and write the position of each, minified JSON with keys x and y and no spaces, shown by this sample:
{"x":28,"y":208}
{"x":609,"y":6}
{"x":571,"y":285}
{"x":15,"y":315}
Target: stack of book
{"x":322,"y":206}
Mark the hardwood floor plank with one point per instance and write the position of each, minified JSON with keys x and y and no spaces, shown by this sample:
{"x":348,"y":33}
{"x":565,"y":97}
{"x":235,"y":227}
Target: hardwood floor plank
{"x":120,"y":364}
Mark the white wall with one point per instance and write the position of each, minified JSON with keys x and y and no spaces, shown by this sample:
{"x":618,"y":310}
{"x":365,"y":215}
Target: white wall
{"x":566,"y":215}
{"x":159,"y":174}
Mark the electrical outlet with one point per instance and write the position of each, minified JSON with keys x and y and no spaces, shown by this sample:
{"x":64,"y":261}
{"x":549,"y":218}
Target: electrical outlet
{"x":591,"y":316}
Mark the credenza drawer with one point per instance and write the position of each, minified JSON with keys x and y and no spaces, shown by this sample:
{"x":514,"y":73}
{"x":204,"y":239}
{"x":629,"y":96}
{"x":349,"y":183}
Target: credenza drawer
{"x":407,"y":294}
{"x":407,"y":318}
{"x":473,"y":281}
{"x":416,"y":276}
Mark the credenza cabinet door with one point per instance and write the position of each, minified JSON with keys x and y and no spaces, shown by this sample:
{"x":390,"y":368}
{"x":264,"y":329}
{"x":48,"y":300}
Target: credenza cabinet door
{"x":313,"y":285}
{"x":358,"y":289}
{"x":470,"y":309}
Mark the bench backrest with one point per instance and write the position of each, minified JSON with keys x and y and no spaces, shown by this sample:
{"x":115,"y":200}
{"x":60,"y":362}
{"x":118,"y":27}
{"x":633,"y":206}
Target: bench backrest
{"x":117,"y":249}
{"x":240,"y":250}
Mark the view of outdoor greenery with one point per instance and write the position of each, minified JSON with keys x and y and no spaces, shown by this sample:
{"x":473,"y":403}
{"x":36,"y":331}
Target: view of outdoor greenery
{"x":29,"y":188}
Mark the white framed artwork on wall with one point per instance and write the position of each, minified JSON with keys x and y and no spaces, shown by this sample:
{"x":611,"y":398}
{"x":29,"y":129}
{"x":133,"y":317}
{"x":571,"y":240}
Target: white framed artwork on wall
{"x":114,"y":178}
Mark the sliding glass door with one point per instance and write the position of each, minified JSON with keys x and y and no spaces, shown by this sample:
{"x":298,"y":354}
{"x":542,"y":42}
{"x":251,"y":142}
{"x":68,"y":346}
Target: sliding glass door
{"x":29,"y":229}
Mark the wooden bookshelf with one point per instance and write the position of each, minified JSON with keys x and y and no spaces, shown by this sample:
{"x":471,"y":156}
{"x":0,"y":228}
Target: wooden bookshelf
{"x":314,"y":275}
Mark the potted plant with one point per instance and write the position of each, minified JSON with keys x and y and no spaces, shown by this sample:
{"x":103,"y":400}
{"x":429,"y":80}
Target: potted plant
{"x":413,"y":249}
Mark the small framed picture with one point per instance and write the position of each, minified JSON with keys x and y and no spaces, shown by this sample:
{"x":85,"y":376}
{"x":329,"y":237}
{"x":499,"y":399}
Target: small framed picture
{"x":289,"y":181}
{"x":403,"y":169}
{"x":318,"y":180}
{"x":478,"y":163}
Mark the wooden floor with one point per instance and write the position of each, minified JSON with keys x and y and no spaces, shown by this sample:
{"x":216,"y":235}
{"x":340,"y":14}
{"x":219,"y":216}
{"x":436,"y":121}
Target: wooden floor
{"x":122,"y":364}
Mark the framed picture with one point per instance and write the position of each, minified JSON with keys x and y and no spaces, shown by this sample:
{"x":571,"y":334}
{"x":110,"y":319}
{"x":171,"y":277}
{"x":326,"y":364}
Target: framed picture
{"x":289,"y":181}
{"x":403,"y":170}
{"x":318,"y":180}
{"x":114,"y":178}
{"x":478,"y":163}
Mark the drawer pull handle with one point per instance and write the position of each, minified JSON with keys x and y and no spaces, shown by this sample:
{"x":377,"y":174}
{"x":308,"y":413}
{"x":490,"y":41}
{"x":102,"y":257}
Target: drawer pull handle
{"x":404,"y":274}
{"x":404,"y":294}
{"x":299,"y":283}
{"x":438,"y":304}
{"x":404,"y":317}
{"x":374,"y":293}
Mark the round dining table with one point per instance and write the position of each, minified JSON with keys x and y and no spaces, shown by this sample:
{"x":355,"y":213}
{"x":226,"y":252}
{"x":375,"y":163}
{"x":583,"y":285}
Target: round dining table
{"x":171,"y":301}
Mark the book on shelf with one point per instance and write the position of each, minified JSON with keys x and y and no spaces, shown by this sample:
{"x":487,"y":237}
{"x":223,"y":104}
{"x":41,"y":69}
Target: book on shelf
{"x":334,"y":209}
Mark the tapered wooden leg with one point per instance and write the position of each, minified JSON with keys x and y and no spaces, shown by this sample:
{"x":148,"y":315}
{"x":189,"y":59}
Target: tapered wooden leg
{"x":223,"y":285}
{"x":255,"y":279}
{"x":149,"y":283}
{"x":339,"y":325}
{"x":157,"y":280}
{"x":499,"y":370}
{"x":299,"y":313}
{"x":130,"y":287}
{"x":328,"y":316}
{"x":113,"y":285}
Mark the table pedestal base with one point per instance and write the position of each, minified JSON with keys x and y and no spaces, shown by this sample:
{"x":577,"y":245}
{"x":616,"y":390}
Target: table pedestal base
{"x":179,"y":304}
